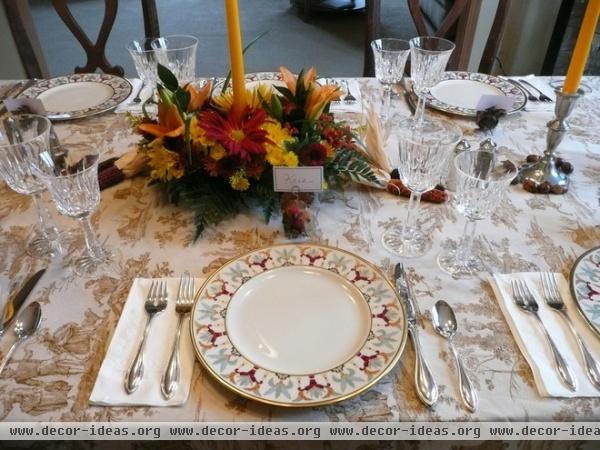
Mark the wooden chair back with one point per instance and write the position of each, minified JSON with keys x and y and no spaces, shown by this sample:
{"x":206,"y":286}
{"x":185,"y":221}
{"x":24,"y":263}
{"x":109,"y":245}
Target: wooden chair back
{"x":27,"y":41}
{"x":458,"y":25}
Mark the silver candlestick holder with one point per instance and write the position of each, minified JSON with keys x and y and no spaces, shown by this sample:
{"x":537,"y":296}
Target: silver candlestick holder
{"x":545,"y":175}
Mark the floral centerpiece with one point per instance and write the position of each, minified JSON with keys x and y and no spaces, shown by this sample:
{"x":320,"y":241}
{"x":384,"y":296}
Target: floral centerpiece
{"x":217,"y":162}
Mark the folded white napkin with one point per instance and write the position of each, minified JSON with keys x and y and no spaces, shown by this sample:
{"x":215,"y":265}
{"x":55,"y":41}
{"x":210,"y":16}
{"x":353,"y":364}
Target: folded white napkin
{"x":543,"y":86}
{"x":341,"y":106}
{"x":109,"y":389}
{"x":127,"y":105}
{"x":532,"y":342}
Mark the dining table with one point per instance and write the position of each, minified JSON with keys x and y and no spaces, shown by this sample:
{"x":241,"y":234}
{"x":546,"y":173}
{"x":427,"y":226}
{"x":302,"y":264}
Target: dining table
{"x":52,"y":374}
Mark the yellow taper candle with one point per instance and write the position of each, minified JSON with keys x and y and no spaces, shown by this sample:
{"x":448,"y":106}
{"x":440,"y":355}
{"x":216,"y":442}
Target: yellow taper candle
{"x":582,"y":47}
{"x":236,"y":56}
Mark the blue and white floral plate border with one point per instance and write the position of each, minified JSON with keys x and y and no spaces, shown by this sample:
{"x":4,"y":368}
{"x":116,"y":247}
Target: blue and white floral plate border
{"x":377,"y":356}
{"x":585,"y":287}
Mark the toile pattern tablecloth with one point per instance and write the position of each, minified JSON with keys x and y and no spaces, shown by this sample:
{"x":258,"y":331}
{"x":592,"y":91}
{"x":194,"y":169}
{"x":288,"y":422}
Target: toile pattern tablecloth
{"x":51,"y":376}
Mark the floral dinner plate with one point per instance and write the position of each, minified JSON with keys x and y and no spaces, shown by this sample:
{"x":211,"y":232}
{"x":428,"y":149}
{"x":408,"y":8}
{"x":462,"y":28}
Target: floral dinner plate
{"x":458,"y":93}
{"x":298,"y":325}
{"x":585,"y":286}
{"x":79,"y":95}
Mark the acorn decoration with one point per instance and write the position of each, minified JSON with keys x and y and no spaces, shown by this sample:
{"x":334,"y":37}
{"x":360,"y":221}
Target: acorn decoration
{"x":488,"y":119}
{"x":545,"y":187}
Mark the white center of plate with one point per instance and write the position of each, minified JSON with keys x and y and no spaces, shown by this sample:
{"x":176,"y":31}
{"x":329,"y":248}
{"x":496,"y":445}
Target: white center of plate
{"x":298,"y":320}
{"x":463,"y":93}
{"x":75,"y":96}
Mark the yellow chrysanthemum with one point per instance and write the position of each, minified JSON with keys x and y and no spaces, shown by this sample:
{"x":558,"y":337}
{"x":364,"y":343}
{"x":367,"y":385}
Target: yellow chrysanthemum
{"x":254,"y":95}
{"x":239,"y":182}
{"x":290,"y":159}
{"x":217,"y":152}
{"x":165,"y":164}
{"x":198,"y":135}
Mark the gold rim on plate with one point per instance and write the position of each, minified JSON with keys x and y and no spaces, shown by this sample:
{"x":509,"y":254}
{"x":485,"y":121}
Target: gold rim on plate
{"x":379,"y":353}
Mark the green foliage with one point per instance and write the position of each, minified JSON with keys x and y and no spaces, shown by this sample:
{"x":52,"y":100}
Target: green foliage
{"x":349,"y":164}
{"x":167,"y":78}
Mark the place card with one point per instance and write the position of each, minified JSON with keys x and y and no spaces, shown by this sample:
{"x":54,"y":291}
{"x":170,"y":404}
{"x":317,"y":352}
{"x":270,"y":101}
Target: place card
{"x":298,"y":179}
{"x":504,"y":102}
{"x":25,"y":106}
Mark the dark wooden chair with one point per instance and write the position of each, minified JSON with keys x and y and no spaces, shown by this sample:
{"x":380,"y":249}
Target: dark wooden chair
{"x":454,"y":20}
{"x":28,"y":44}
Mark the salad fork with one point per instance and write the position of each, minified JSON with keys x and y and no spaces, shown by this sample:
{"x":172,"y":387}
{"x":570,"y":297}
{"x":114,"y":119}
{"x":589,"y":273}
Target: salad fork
{"x":523,"y":298}
{"x":555,"y":301}
{"x":185,"y":299}
{"x":349,"y":98}
{"x":156,"y":302}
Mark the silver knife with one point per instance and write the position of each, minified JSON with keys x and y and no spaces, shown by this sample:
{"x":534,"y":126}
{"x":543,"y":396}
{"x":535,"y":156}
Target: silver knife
{"x":427,"y":389}
{"x":13,"y":305}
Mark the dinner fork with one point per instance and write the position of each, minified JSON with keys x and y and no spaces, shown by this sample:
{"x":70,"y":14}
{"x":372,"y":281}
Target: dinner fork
{"x":185,"y":298}
{"x":156,"y":302}
{"x":523,"y":298}
{"x":541,"y":96}
{"x":349,"y":98}
{"x":555,"y":301}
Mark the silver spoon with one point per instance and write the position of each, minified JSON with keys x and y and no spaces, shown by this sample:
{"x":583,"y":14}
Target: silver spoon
{"x":444,"y":322}
{"x":26,"y":324}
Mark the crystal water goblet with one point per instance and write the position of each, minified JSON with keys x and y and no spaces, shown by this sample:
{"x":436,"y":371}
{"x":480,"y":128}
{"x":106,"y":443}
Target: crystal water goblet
{"x":19,"y":137}
{"x":145,"y":60}
{"x":429,"y":57}
{"x":71,"y":176}
{"x":482,"y":180}
{"x":423,"y":158}
{"x":178,"y":53}
{"x":390,"y":57}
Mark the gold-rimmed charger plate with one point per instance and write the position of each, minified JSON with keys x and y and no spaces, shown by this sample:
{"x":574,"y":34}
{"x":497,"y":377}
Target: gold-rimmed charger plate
{"x":298,"y":325}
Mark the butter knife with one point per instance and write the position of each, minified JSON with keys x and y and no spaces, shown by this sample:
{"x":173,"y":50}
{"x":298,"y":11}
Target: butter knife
{"x":427,"y":389}
{"x":13,"y":305}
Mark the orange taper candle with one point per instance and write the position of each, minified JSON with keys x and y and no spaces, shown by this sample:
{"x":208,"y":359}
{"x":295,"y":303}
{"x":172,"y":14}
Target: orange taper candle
{"x":236,"y":56}
{"x":582,"y":47}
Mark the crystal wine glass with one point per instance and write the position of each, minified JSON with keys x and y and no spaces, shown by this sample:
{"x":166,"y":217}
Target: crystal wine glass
{"x":429,"y":56}
{"x":178,"y":53}
{"x":144,"y":59}
{"x":423,"y":158}
{"x":482,"y":179}
{"x":390,"y":57}
{"x":19,"y":136}
{"x":71,"y":176}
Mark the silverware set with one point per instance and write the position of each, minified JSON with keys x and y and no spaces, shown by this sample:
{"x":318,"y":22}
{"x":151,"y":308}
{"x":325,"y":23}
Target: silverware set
{"x":27,"y":322}
{"x":349,"y":98}
{"x":445,"y":323}
{"x":533,"y":93}
{"x":524,"y":299}
{"x":156,"y":302}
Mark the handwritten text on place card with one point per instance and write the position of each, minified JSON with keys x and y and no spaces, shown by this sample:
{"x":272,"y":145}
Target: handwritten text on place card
{"x":298,"y":179}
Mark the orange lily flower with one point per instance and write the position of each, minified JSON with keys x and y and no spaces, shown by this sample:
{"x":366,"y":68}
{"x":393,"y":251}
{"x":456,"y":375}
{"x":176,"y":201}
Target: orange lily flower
{"x":291,"y":80}
{"x":318,"y":97}
{"x":198,"y":97}
{"x":170,"y":123}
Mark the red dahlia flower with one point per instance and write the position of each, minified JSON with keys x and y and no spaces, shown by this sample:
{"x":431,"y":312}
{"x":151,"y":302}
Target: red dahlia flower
{"x":314,"y":155}
{"x":242,"y":137}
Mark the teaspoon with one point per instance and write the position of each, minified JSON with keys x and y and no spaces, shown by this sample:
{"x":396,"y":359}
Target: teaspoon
{"x":26,"y":324}
{"x":444,"y":322}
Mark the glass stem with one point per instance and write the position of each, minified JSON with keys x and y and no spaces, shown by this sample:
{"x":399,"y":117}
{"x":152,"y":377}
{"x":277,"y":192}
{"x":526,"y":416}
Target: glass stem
{"x":412,"y":214}
{"x":46,"y":225}
{"x":420,"y":111}
{"x":463,"y":252}
{"x":387,"y":106}
{"x":91,"y":240}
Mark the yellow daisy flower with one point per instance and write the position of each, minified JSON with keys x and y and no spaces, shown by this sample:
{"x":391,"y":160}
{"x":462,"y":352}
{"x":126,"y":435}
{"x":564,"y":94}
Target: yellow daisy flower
{"x":165,"y":164}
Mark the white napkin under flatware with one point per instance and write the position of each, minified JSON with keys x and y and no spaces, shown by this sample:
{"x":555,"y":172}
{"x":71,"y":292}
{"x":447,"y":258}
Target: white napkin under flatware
{"x":544,"y":87}
{"x":341,"y":106}
{"x":128,"y":105}
{"x":532,"y":342}
{"x":109,"y":389}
